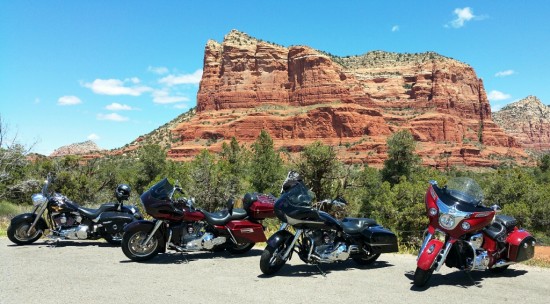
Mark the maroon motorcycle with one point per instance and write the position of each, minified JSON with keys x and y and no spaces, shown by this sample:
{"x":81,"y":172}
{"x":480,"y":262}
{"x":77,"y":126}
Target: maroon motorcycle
{"x":463,"y":233}
{"x":179,"y":226}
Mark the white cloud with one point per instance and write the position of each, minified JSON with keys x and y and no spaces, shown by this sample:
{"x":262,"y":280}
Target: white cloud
{"x":117,"y":87}
{"x":462,"y":15}
{"x":395,"y":28}
{"x":118,"y":107}
{"x":157,"y":70}
{"x":172,"y":80}
{"x":504,"y":73}
{"x":181,"y":106}
{"x":497,"y":95}
{"x":112,"y":117}
{"x":68,"y":101}
{"x":93,"y":136}
{"x":163,"y":97}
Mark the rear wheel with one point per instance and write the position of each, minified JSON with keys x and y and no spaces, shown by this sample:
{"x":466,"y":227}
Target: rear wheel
{"x":422,"y":276}
{"x":17,"y":233}
{"x":270,"y":262}
{"x":239,"y":248}
{"x":133,"y":247}
{"x":366,"y":259}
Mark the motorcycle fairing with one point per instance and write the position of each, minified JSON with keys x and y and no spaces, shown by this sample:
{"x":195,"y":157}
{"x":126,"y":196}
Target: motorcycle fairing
{"x":430,"y":253}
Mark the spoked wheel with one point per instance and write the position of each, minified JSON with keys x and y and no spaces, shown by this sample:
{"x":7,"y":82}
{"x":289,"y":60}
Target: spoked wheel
{"x":135,"y":250}
{"x":366,"y":259}
{"x":239,"y":248}
{"x":270,"y":262}
{"x":17,"y":233}
{"x":422,"y":276}
{"x":114,"y":239}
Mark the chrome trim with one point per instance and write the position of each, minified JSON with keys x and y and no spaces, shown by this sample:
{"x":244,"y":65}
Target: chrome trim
{"x":458,"y":216}
{"x":428,"y":236}
{"x":38,"y":216}
{"x":232,"y":236}
{"x":283,"y":226}
{"x":289,"y":249}
{"x":443,"y":256}
{"x":150,"y":236}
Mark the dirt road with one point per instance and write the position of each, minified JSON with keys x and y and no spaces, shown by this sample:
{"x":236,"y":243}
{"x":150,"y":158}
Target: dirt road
{"x":94,"y":272}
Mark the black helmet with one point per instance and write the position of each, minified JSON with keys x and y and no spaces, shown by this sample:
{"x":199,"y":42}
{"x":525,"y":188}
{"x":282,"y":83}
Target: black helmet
{"x":122,"y":192}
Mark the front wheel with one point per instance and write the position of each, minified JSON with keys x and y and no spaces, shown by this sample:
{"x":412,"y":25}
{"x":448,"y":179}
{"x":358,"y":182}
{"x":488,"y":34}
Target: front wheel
{"x":134,"y":248}
{"x":17,"y":233}
{"x":366,"y":259}
{"x":270,"y":262}
{"x":422,"y":276}
{"x":239,"y":248}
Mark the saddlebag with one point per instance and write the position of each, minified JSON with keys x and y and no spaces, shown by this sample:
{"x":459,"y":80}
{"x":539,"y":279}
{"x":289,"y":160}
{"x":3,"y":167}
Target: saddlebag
{"x":380,"y":239}
{"x":259,"y":206}
{"x":114,"y":222}
{"x":245,"y":231}
{"x":521,"y":246}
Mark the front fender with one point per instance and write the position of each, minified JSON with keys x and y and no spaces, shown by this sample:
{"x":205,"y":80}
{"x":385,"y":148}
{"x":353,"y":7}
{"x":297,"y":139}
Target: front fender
{"x":29,"y":217}
{"x":279,"y":237}
{"x":147,"y":226}
{"x":430,"y":253}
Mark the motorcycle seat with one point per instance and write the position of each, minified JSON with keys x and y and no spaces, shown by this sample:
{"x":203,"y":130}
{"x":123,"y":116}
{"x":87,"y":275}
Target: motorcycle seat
{"x":223,"y":217}
{"x":353,"y":225}
{"x":496,"y":231}
{"x":507,"y":221}
{"x":94,"y":213}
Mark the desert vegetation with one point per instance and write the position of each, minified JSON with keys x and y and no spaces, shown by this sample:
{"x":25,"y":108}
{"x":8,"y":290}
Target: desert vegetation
{"x":393,"y":195}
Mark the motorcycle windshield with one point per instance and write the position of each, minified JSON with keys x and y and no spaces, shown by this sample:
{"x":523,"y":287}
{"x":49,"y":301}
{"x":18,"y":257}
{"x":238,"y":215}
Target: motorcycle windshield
{"x":160,"y":191}
{"x":464,"y":190}
{"x":299,"y":196}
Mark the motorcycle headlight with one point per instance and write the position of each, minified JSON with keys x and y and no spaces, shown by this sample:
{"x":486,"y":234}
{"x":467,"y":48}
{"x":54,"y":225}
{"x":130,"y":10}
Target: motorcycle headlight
{"x":432,"y":212}
{"x":447,"y":221}
{"x":465,"y":226}
{"x":38,"y":199}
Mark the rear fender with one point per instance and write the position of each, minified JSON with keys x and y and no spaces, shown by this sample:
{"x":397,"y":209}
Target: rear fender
{"x":278,"y":238}
{"x":430,"y":253}
{"x":147,"y":226}
{"x":29,"y":217}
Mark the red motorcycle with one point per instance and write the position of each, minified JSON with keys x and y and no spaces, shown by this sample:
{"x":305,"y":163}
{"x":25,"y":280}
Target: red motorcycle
{"x":179,"y":226}
{"x":465,"y":234}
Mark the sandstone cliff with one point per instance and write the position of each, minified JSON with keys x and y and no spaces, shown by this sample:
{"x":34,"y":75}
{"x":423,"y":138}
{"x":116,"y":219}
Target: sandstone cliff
{"x":528,"y":120}
{"x":299,"y":95}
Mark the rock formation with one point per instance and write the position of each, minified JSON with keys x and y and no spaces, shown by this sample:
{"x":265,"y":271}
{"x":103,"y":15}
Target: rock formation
{"x":87,"y":148}
{"x":300,"y":95}
{"x":528,"y":120}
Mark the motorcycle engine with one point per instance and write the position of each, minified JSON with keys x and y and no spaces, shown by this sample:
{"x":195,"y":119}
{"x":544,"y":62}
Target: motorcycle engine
{"x":326,"y":248}
{"x":192,"y":237}
{"x":66,"y":219}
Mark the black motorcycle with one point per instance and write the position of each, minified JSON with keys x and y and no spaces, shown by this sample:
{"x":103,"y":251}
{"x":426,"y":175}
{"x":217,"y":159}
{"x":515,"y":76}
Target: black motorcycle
{"x":67,"y":220}
{"x":318,"y":237}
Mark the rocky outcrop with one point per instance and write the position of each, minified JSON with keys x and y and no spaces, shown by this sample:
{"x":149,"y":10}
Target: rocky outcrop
{"x":299,"y":95}
{"x":528,"y":120}
{"x":87,"y":148}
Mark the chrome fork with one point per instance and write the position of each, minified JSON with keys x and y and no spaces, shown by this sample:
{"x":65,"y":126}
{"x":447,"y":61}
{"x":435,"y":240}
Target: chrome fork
{"x":150,"y":236}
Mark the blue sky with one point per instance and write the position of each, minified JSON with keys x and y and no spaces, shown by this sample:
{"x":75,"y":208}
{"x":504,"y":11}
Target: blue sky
{"x":113,"y":70}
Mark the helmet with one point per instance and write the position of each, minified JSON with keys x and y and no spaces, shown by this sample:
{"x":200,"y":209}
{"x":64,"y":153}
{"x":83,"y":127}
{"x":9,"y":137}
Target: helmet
{"x":122,"y":192}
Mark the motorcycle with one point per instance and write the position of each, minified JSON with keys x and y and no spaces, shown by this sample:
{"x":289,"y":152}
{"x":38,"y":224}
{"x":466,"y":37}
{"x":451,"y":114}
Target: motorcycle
{"x":465,"y":234}
{"x":179,"y":226}
{"x":67,"y":220}
{"x":318,"y":237}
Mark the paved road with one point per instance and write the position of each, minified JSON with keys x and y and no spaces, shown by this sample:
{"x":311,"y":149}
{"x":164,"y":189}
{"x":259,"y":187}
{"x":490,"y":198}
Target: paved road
{"x":94,"y":272}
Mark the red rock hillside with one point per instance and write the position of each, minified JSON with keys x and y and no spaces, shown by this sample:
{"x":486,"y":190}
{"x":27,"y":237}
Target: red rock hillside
{"x":528,"y":120}
{"x":300,"y":95}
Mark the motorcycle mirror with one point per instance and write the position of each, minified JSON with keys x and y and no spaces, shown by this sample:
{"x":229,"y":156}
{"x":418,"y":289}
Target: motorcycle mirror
{"x":496,"y":208}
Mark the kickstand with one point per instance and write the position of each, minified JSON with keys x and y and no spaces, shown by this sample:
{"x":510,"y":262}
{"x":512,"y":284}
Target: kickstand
{"x":321,"y":270}
{"x":469,"y":275}
{"x":185,"y":260}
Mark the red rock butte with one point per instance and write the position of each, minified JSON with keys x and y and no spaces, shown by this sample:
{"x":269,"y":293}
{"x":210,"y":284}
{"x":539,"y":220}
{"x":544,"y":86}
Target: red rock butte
{"x":301,"y":95}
